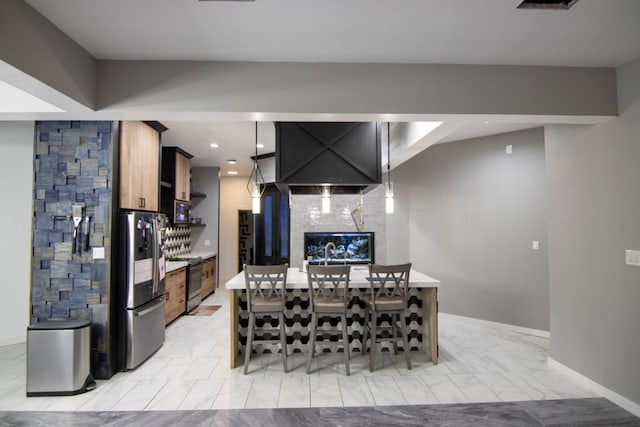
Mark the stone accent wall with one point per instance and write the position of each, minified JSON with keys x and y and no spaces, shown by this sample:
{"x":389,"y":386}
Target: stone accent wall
{"x":306,"y":215}
{"x":73,"y":165}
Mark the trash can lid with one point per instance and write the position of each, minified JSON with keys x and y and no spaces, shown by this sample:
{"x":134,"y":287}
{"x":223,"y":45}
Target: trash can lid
{"x":60,"y":324}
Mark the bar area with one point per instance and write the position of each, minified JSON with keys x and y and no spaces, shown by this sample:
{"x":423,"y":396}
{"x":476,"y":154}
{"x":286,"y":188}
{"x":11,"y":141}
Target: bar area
{"x":421,"y":319}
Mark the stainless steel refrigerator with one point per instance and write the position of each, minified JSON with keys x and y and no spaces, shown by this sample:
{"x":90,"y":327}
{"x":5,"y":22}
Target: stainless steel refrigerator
{"x":141,"y":285}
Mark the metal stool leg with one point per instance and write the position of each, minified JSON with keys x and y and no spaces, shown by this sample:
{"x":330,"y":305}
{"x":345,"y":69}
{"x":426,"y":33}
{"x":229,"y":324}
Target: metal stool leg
{"x":365,"y":333}
{"x":283,"y":341}
{"x":405,"y":340}
{"x":394,"y":329}
{"x":247,"y":348}
{"x":345,"y":342}
{"x":312,"y":341}
{"x":373,"y":339}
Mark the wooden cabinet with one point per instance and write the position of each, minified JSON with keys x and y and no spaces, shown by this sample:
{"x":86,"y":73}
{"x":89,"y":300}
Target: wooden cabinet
{"x":175,"y":294}
{"x":139,"y":166}
{"x":208,"y":284}
{"x":176,"y":171}
{"x":183,"y":177}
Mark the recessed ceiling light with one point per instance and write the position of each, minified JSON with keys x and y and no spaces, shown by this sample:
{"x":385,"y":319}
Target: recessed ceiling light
{"x":232,"y":173}
{"x":260,"y":145}
{"x":231,"y":161}
{"x":214,"y":145}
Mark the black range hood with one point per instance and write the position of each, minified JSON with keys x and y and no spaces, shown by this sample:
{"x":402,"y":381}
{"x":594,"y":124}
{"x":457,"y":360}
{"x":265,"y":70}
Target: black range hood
{"x":344,"y":155}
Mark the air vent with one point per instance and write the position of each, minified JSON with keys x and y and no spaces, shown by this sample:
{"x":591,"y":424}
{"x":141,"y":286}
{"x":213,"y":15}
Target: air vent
{"x":547,"y":4}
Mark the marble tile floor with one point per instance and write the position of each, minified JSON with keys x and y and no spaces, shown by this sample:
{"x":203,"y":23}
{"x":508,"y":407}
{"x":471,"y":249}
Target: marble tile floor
{"x":567,"y":412}
{"x":478,"y":363}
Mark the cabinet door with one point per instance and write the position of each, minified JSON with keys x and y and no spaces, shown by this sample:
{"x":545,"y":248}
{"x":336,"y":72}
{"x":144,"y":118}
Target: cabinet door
{"x":175,"y":294}
{"x":209,"y":276}
{"x":183,"y":177}
{"x":139,"y":166}
{"x":150,"y":161}
{"x":130,"y":185}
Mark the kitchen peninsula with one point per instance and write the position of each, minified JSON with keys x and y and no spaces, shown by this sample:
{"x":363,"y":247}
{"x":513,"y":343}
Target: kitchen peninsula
{"x":423,"y":312}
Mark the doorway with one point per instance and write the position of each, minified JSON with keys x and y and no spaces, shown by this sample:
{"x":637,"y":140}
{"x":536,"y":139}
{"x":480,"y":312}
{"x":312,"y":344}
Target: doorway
{"x":267,"y":232}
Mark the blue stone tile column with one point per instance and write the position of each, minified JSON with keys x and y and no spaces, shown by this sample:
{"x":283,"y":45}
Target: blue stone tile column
{"x":74,"y":165}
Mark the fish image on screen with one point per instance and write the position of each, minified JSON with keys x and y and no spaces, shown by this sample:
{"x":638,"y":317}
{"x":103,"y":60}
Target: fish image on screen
{"x":350,"y":247}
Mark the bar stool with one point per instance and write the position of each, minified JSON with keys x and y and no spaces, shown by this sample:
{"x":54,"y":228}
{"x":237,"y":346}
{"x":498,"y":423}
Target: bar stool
{"x":329,"y":296}
{"x":388,"y":295}
{"x":266,"y":294}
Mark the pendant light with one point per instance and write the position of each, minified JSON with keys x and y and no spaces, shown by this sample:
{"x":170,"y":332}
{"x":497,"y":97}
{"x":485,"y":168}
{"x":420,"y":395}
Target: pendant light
{"x":255,"y":186}
{"x":388,"y":186}
{"x":326,"y":199}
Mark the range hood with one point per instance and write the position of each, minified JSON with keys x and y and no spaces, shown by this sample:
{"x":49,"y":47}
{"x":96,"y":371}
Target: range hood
{"x":344,"y":155}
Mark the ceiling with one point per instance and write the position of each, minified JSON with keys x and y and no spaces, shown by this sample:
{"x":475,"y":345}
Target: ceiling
{"x":592,"y":33}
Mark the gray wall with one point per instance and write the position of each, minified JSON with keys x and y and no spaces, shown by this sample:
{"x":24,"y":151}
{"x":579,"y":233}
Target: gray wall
{"x":205,"y":180}
{"x":16,"y":164}
{"x":284,"y":88}
{"x":34,"y":45}
{"x":594,"y":212}
{"x":472,"y":212}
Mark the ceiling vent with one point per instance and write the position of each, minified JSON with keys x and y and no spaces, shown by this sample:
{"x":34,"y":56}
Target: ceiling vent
{"x":547,"y":4}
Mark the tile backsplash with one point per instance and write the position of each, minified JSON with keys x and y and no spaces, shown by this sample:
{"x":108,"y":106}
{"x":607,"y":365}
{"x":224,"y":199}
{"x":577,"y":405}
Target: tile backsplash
{"x":306,"y":215}
{"x":177,"y":240}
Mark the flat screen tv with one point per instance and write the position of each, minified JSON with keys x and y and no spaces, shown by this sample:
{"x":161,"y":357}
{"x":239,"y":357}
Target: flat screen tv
{"x":352,"y":248}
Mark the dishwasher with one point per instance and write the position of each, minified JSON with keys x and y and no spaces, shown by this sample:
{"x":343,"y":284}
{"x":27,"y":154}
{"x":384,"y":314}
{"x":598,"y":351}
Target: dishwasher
{"x":193,"y":283}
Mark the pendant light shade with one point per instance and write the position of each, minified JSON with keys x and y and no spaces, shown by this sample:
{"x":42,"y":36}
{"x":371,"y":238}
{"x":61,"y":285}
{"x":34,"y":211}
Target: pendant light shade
{"x":255,"y":185}
{"x":388,"y":197}
{"x":326,"y":199}
{"x":388,"y":186}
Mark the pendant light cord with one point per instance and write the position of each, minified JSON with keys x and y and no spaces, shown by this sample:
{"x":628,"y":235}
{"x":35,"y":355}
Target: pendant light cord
{"x":388,"y":152}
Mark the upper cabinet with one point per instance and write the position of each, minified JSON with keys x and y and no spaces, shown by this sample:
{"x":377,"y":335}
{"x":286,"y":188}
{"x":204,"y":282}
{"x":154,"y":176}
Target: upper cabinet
{"x":139,"y":166}
{"x":176,"y":171}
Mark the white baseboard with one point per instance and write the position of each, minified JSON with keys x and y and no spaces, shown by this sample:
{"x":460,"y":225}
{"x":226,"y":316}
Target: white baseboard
{"x":513,"y":328}
{"x":576,"y":376}
{"x":12,"y":340}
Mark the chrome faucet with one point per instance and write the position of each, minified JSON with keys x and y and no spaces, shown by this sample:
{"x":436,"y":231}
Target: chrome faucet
{"x":326,"y":252}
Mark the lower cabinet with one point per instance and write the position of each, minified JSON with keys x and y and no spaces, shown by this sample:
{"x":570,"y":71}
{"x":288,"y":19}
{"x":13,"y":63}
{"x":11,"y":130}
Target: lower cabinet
{"x":208,"y":284}
{"x":175,"y":291}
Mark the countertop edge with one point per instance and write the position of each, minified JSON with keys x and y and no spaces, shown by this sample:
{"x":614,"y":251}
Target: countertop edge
{"x":175,"y":265}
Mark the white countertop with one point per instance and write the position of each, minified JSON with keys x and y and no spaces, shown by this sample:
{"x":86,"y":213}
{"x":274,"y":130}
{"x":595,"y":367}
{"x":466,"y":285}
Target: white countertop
{"x":175,"y":265}
{"x":357,"y":279}
{"x":203,"y":255}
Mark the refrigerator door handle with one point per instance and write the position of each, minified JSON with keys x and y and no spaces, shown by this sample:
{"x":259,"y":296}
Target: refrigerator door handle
{"x":150,"y":309}
{"x":154,"y":242}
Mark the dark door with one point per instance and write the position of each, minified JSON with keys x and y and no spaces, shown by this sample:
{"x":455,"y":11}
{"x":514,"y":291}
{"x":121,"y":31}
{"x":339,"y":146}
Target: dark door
{"x":245,"y":238}
{"x":272,"y":228}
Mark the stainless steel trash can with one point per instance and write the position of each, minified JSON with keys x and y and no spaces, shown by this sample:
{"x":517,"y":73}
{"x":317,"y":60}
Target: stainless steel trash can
{"x":58,"y":362}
